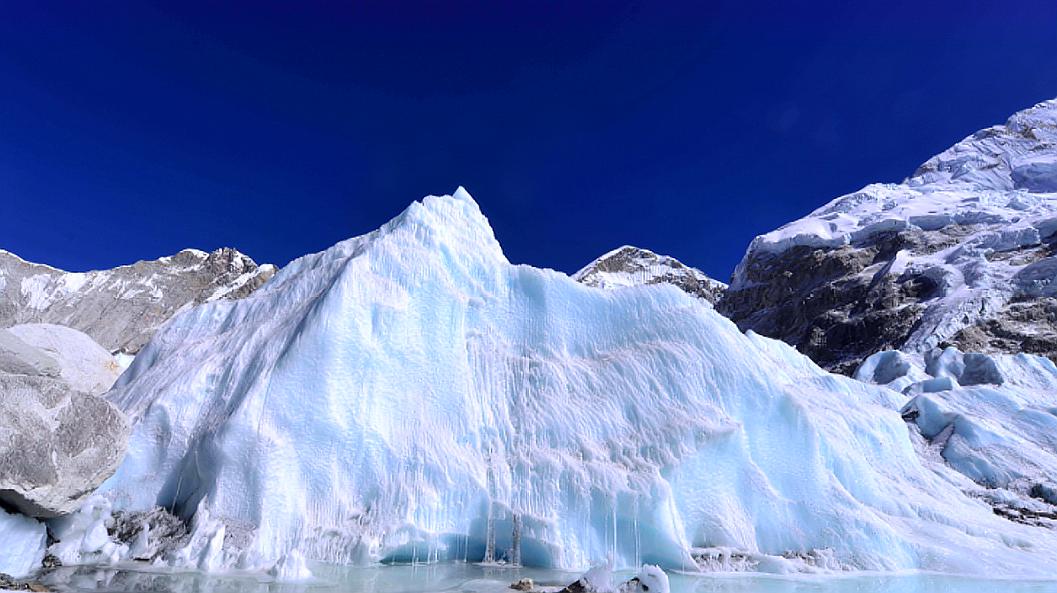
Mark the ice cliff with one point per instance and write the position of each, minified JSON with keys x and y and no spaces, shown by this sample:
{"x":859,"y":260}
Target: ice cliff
{"x":409,"y":395}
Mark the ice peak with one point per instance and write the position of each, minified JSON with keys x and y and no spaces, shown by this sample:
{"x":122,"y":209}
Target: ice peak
{"x":453,"y":222}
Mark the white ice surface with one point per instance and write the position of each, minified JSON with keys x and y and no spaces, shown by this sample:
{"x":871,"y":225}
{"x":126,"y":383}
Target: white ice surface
{"x":404,"y":394}
{"x":991,"y":417}
{"x":22,"y":541}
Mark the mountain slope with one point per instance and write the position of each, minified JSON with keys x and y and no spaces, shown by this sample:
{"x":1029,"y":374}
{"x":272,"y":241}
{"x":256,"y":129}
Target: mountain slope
{"x":121,"y":308}
{"x":634,"y":266}
{"x":410,"y":394}
{"x":962,"y":252}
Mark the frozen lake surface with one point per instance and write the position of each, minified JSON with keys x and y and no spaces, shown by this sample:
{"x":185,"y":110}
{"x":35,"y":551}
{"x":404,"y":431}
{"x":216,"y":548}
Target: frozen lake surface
{"x":469,"y":578}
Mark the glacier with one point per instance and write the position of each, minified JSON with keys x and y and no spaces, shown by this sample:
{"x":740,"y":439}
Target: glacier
{"x":992,"y":418}
{"x":24,"y":540}
{"x":411,"y":396}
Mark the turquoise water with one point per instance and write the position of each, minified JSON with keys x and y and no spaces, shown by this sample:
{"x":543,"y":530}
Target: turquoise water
{"x":469,"y":578}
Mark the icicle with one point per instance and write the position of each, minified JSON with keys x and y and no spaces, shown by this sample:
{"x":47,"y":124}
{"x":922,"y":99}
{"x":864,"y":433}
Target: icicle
{"x":638,"y":552}
{"x":489,"y":547}
{"x":515,"y":538}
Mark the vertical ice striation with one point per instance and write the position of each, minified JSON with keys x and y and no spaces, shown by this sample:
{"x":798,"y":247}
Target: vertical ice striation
{"x":406,"y":394}
{"x":515,"y":540}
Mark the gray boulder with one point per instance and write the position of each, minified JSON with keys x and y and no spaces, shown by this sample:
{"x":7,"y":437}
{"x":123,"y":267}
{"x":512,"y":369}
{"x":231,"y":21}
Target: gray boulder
{"x":18,"y":357}
{"x":56,"y":444}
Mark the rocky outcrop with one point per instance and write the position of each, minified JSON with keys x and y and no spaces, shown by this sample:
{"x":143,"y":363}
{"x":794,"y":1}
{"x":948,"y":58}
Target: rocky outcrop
{"x":634,"y":266}
{"x":58,"y":440}
{"x":56,"y":444}
{"x":964,"y":252}
{"x":82,"y":363}
{"x":120,"y":308}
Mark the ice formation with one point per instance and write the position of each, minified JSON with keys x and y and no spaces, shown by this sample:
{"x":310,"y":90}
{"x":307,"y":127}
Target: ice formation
{"x":22,"y":541}
{"x":404,"y":395}
{"x":991,"y":417}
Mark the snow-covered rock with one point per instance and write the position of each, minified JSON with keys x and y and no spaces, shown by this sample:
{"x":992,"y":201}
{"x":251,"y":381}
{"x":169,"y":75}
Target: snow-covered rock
{"x":56,"y":444}
{"x":634,"y":266}
{"x":22,"y":542}
{"x":962,"y":252}
{"x":83,"y":364}
{"x":122,"y":307}
{"x":411,"y":395}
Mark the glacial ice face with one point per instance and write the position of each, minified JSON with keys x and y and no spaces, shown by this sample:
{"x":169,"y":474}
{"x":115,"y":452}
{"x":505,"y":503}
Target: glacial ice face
{"x":22,"y":541}
{"x":406,"y":394}
{"x":993,"y":418}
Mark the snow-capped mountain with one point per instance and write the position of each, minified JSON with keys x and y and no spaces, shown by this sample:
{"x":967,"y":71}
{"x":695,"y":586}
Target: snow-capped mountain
{"x":409,"y":394}
{"x":634,"y":266}
{"x":121,"y":308}
{"x":960,"y":253}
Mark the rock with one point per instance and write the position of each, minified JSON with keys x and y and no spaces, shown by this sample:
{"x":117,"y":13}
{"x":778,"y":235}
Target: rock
{"x":963,"y":253}
{"x":9,"y":583}
{"x":524,"y":584}
{"x":149,"y":534}
{"x":83,"y":364}
{"x":650,"y":579}
{"x":122,"y":307}
{"x":633,"y":266}
{"x":56,"y":444}
{"x":19,"y":358}
{"x":51,"y":562}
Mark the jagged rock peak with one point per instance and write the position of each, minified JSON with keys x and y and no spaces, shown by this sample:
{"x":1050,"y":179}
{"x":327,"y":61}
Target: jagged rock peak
{"x":962,"y":252}
{"x":633,"y":266}
{"x":120,"y":308}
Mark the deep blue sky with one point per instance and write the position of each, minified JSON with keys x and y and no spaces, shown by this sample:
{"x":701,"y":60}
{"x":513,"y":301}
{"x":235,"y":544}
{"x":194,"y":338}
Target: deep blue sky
{"x":132,"y":130}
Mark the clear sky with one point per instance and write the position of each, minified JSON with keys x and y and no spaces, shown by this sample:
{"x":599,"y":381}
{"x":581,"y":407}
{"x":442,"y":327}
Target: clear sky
{"x":132,"y":130}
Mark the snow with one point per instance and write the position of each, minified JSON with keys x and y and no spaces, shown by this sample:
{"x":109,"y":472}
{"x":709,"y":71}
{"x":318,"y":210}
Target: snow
{"x":648,"y":267}
{"x":991,"y":193}
{"x":993,"y":417}
{"x":83,"y":363}
{"x":404,"y":395}
{"x":22,"y":542}
{"x":83,"y":538}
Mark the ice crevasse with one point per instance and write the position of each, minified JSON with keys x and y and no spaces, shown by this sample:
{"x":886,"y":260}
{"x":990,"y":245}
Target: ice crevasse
{"x":410,"y":395}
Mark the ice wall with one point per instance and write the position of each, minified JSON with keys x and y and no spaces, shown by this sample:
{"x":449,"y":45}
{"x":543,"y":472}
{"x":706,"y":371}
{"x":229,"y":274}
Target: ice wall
{"x":409,"y":395}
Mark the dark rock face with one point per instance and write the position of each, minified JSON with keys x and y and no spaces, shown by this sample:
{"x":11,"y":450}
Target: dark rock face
{"x":149,"y":534}
{"x":633,"y":266}
{"x":121,"y":308}
{"x":835,"y":305}
{"x":962,"y":253}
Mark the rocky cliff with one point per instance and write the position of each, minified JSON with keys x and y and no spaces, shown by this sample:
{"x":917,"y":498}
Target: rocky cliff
{"x":961,"y":253}
{"x":120,"y":308}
